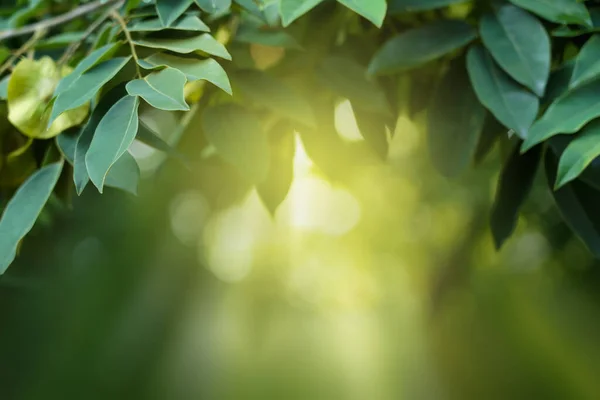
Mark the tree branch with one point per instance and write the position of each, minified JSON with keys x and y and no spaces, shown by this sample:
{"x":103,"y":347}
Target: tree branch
{"x":58,"y":20}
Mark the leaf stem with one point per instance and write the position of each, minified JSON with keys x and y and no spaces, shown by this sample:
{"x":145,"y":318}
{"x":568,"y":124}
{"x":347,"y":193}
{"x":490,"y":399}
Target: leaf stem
{"x":58,"y":20}
{"x":37,"y":35}
{"x":117,"y":17}
{"x":74,"y":46}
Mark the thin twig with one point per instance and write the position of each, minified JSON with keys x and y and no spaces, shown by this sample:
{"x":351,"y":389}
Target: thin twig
{"x":37,"y":35}
{"x":117,"y":17}
{"x":58,"y":20}
{"x":74,"y":46}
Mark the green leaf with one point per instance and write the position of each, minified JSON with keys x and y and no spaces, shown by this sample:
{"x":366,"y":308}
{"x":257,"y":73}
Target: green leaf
{"x":214,"y":6}
{"x":512,"y":105}
{"x":514,"y":185}
{"x":194,"y":69}
{"x":113,"y":136}
{"x":205,"y":43}
{"x":22,"y":211}
{"x":560,"y":11}
{"x":169,"y":10}
{"x":251,"y":33}
{"x":30,"y":88}
{"x":152,"y":139}
{"x":163,"y":89}
{"x":80,"y":172}
{"x":373,"y":129}
{"x":87,"y":86}
{"x":67,"y":143}
{"x":402,"y":6}
{"x":274,"y":189}
{"x":4,"y":87}
{"x":492,"y":131}
{"x":95,"y":57}
{"x":587,"y":63}
{"x":568,"y":114}
{"x":124,"y":174}
{"x":373,"y":10}
{"x":455,"y":120}
{"x":264,"y":90}
{"x":291,"y":10}
{"x":520,"y":44}
{"x":580,"y":152}
{"x":558,"y":82}
{"x":578,"y":205}
{"x":348,"y":79}
{"x":186,"y":23}
{"x":238,"y":138}
{"x":419,"y":46}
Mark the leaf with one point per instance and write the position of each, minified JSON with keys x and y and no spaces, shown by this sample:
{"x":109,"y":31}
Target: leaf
{"x":587,"y":63}
{"x":205,"y":43}
{"x":558,"y":82}
{"x":567,"y":114}
{"x":95,"y":57}
{"x":514,"y":185}
{"x":115,"y":132}
{"x":402,"y":6}
{"x":80,"y":172}
{"x":348,"y":79}
{"x":491,"y":132}
{"x":512,"y":105}
{"x":291,"y":10}
{"x":419,"y":46}
{"x":67,"y":143}
{"x":454,"y":122}
{"x":4,"y":87}
{"x":30,"y":88}
{"x":578,"y":205}
{"x":169,"y":10}
{"x":22,"y":210}
{"x":373,"y":129}
{"x":238,"y":138}
{"x":373,"y":10}
{"x":214,"y":6}
{"x":124,"y":174}
{"x":152,"y":139}
{"x":193,"y":69}
{"x":163,"y":89}
{"x":560,"y":11}
{"x":266,"y":91}
{"x":520,"y":44}
{"x":87,"y":86}
{"x":251,"y":33}
{"x":186,"y":23}
{"x":274,"y":189}
{"x":580,"y":153}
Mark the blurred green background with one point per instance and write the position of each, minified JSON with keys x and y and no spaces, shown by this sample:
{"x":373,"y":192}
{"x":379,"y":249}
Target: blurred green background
{"x":377,"y":281}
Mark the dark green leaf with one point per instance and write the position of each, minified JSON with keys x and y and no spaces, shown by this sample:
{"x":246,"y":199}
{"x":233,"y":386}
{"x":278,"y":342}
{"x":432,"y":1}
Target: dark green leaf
{"x":401,"y":6}
{"x":455,"y":120}
{"x":205,"y":43}
{"x":169,"y":10}
{"x":419,"y":46}
{"x":512,"y":105}
{"x":276,"y":186}
{"x":214,"y":6}
{"x":238,"y":138}
{"x":578,"y":205}
{"x":513,"y":188}
{"x":187,"y":23}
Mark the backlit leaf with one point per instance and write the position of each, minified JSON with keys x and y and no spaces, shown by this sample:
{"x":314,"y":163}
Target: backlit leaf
{"x":238,"y":137}
{"x":373,"y":10}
